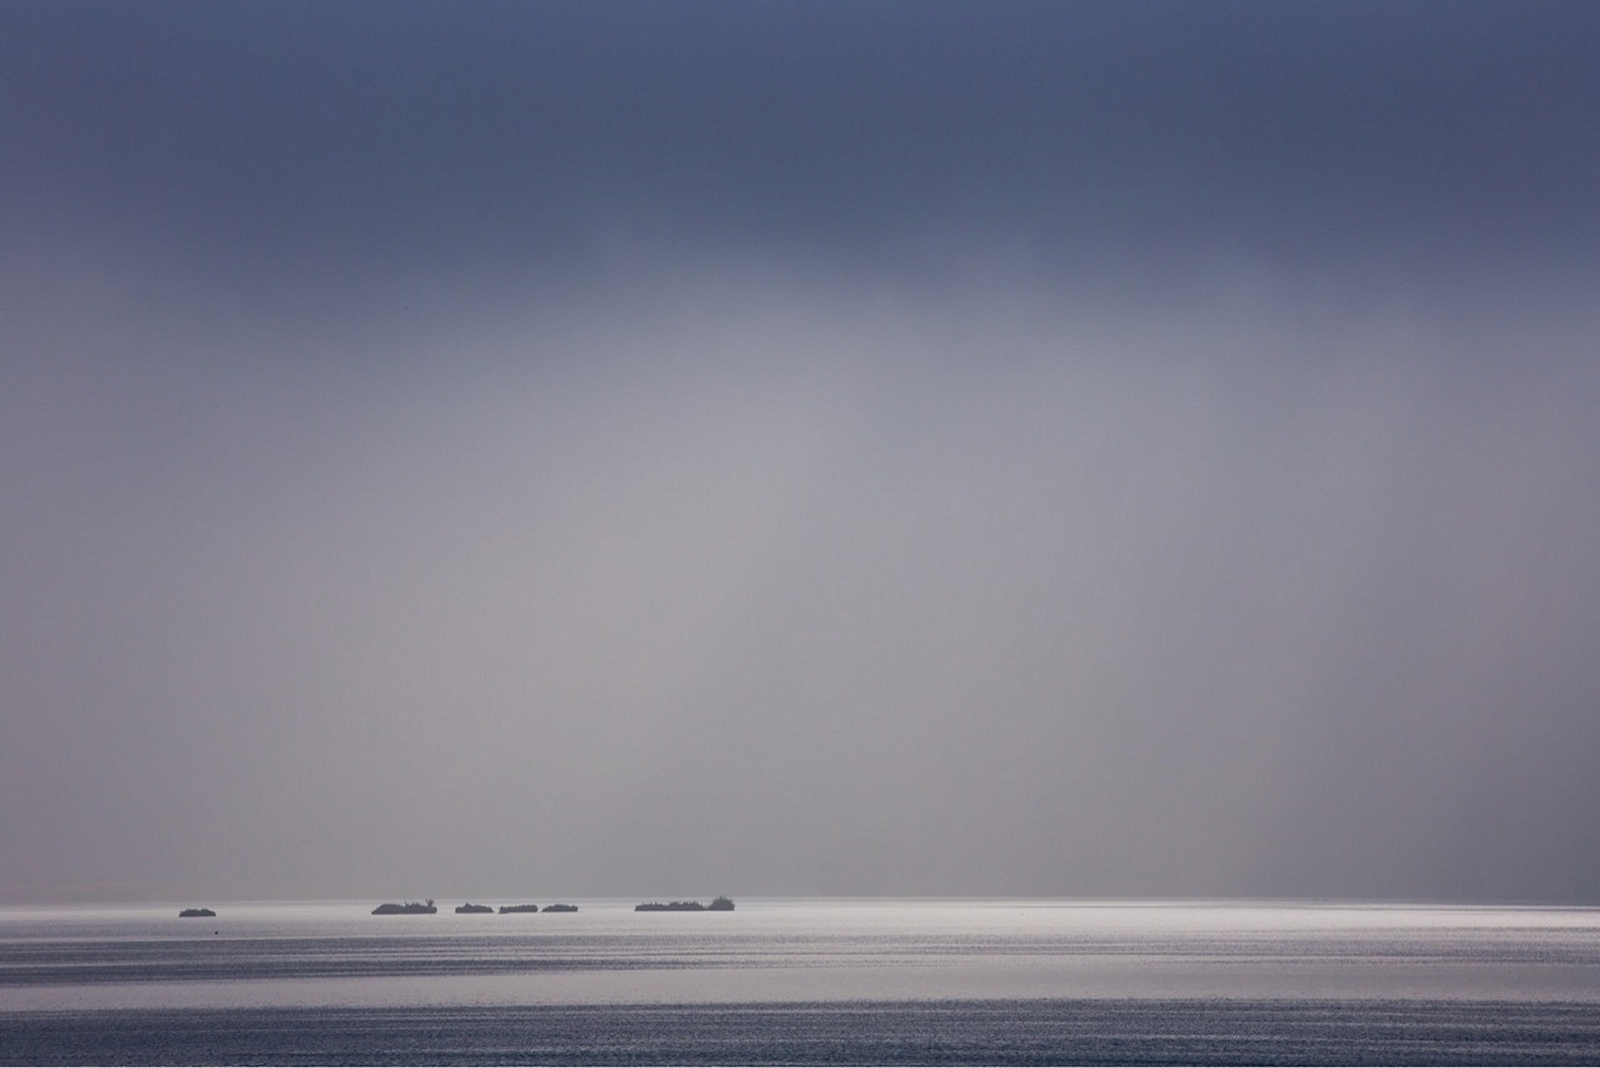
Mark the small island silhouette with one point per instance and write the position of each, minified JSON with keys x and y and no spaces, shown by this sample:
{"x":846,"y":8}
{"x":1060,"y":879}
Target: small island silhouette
{"x":720,"y":904}
{"x":518,"y":908}
{"x":560,"y":908}
{"x":469,"y":907}
{"x":195,"y":914}
{"x":410,"y":908}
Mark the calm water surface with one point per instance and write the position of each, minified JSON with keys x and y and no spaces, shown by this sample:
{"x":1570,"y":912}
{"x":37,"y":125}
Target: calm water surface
{"x":812,"y":981}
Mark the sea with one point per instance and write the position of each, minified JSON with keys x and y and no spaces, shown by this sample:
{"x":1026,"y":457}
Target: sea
{"x":803,"y":981}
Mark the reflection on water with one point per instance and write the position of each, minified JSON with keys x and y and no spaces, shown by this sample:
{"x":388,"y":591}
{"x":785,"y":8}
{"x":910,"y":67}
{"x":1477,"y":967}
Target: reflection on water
{"x":337,"y":954}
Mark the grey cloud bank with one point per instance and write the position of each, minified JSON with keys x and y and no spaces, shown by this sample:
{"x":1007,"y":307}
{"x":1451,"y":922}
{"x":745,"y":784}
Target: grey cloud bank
{"x":935,"y":449}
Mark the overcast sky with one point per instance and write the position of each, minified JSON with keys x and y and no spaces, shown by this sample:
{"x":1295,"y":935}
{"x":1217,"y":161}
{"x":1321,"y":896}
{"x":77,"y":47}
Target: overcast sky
{"x":638,"y":449}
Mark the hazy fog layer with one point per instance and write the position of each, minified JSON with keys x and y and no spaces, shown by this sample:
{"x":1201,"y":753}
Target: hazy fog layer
{"x":1134,"y":449}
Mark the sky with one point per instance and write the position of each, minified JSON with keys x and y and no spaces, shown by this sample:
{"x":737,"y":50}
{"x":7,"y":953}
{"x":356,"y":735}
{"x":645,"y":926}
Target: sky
{"x":1137,"y":449}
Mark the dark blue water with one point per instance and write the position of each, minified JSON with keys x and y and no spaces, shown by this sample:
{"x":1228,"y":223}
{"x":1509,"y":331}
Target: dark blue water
{"x":894,"y":982}
{"x":947,"y":1032}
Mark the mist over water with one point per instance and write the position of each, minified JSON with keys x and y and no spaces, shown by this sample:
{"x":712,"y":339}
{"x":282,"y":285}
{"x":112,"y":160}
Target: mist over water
{"x":1145,"y":450}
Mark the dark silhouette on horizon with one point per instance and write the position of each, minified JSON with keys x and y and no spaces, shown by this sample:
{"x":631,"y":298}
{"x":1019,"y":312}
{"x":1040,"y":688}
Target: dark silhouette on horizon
{"x":410,"y":908}
{"x":720,"y":904}
{"x":194,"y":914}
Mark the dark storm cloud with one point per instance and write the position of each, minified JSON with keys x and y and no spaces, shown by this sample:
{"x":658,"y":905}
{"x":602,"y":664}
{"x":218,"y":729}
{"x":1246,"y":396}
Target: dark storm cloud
{"x":388,"y":138}
{"x":906,"y":448}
